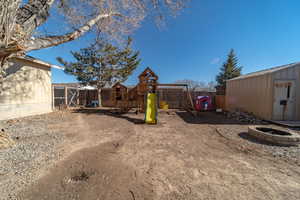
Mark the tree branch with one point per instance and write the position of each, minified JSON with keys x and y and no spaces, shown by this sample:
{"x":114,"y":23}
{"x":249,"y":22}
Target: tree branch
{"x":45,"y":42}
{"x":33,"y":14}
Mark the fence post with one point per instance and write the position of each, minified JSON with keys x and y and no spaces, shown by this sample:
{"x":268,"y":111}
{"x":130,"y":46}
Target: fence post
{"x":52,"y":93}
{"x":66,"y":96}
{"x":77,"y":96}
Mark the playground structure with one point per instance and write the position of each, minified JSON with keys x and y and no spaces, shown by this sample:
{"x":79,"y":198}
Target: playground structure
{"x":125,"y":99}
{"x":145,"y":97}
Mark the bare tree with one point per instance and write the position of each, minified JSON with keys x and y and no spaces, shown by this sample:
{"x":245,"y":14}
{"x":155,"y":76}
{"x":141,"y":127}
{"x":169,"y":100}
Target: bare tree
{"x":19,"y":20}
{"x":110,"y":19}
{"x":211,"y":86}
{"x":198,"y":85}
{"x":193,"y":85}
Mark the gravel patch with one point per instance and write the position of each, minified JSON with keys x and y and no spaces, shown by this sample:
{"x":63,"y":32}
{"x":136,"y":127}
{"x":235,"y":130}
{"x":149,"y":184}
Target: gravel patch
{"x":35,"y":149}
{"x":239,"y":134}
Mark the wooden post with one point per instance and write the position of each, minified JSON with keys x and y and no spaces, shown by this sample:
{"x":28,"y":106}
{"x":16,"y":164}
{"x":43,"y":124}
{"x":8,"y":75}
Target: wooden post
{"x":189,"y":94}
{"x":85,"y":97}
{"x":53,"y":98}
{"x":66,"y":96}
{"x":77,"y":96}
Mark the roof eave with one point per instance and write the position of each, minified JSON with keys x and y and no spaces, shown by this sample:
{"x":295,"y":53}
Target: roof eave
{"x":37,"y":61}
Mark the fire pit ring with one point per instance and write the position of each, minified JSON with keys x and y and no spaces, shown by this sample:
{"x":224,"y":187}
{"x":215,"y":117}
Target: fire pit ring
{"x":273,"y":135}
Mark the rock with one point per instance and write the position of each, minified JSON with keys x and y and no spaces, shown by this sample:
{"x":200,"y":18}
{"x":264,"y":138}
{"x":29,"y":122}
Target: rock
{"x":244,"y":117}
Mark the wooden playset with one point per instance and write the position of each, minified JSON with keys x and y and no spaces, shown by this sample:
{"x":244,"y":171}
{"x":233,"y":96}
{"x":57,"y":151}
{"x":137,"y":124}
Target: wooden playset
{"x":136,"y":97}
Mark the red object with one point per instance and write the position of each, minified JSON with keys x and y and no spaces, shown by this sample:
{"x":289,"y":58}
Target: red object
{"x":203,"y":103}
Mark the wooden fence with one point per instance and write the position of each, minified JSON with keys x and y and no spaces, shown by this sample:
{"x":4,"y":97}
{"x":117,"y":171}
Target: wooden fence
{"x":175,"y":97}
{"x":220,"y":102}
{"x":65,"y":96}
{"x":87,"y":96}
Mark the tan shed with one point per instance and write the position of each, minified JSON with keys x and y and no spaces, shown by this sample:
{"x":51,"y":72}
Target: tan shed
{"x":26,"y":89}
{"x":272,"y":94}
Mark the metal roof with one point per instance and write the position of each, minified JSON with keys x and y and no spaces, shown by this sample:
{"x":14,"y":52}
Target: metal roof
{"x":265,"y":71}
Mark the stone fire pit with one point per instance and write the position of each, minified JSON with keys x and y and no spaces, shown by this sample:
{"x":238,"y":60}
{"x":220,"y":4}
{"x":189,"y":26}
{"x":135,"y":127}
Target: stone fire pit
{"x":273,"y":135}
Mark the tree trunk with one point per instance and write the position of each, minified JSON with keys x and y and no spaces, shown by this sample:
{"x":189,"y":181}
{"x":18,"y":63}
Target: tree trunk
{"x":2,"y":68}
{"x":99,"y":97}
{"x":33,"y":14}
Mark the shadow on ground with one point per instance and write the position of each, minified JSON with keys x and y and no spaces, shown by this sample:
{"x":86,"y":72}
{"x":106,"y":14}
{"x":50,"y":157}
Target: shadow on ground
{"x":113,"y":112}
{"x":246,"y":136}
{"x":201,"y":118}
{"x":208,"y":118}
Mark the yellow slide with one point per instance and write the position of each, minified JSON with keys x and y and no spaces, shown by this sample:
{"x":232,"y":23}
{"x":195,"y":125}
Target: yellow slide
{"x":151,"y":109}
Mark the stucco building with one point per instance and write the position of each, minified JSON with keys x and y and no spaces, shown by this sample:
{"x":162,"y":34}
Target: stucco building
{"x":26,"y":89}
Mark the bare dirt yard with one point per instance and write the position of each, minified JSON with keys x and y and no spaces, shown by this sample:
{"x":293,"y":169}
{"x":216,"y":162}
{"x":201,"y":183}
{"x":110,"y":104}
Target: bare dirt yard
{"x":95,"y":154}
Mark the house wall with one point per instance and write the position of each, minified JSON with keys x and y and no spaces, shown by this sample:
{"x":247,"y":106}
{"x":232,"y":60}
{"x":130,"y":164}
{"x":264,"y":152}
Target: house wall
{"x":26,"y":90}
{"x":252,"y":94}
{"x":291,"y":73}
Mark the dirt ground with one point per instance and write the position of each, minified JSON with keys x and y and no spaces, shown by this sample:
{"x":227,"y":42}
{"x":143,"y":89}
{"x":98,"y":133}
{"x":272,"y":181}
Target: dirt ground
{"x":109,"y":156}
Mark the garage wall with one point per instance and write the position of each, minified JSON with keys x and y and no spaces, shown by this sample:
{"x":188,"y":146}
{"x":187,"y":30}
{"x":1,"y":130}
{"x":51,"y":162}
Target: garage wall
{"x":26,"y":90}
{"x":252,"y":94}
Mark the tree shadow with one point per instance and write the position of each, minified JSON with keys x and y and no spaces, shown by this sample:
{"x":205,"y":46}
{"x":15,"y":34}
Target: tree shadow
{"x":24,"y":87}
{"x":208,"y":118}
{"x":112,"y":112}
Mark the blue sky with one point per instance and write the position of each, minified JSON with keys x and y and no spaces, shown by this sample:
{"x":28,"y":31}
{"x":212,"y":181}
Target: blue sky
{"x":264,"y":33}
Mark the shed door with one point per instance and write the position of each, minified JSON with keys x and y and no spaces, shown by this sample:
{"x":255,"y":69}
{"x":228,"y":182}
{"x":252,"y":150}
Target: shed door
{"x":284,"y":100}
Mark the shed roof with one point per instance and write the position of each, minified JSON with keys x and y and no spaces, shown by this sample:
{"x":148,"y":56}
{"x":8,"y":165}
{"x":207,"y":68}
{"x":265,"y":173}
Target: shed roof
{"x":265,"y":71}
{"x":37,"y":61}
{"x":118,"y":84}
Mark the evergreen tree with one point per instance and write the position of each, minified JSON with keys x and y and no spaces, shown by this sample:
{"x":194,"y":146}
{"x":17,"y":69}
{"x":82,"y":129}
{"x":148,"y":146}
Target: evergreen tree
{"x":102,"y":64}
{"x":229,"y":70}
